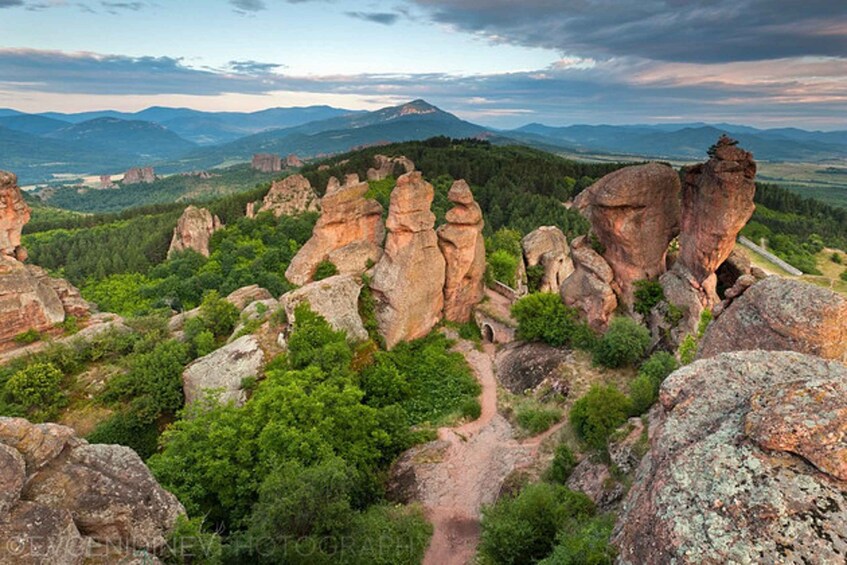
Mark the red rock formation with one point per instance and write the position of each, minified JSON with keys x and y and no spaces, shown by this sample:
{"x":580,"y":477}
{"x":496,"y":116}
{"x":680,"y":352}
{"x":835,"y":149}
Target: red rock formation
{"x":293,"y":162}
{"x":291,"y":196}
{"x":717,"y":201}
{"x":138,"y":175}
{"x":14,"y":214}
{"x":106,"y":181}
{"x":408,"y":282}
{"x":547,"y":246}
{"x":349,"y":233}
{"x":266,"y":163}
{"x":194,"y":230}
{"x":634,"y":212}
{"x":384,"y":167}
{"x":591,"y":287}
{"x":463,"y":247}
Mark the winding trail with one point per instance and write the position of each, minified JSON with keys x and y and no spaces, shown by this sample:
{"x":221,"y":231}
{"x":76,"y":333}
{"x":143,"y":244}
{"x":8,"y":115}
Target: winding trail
{"x":478,"y":457}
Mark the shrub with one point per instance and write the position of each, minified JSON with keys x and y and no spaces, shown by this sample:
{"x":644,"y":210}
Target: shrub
{"x":27,"y":337}
{"x":189,"y":544}
{"x":643,"y":391}
{"x":623,"y":344}
{"x":586,"y":544}
{"x":37,"y":390}
{"x":658,"y":366}
{"x":687,"y":349}
{"x":471,"y":409}
{"x":534,"y":276}
{"x":536,"y":419}
{"x":218,"y":314}
{"x":503,"y":267}
{"x":204,"y":343}
{"x":544,"y":317}
{"x":647,"y":295}
{"x":703,"y":324}
{"x":523,"y":529}
{"x":599,"y":413}
{"x":129,"y":428}
{"x":564,"y":462}
{"x":836,"y":258}
{"x":70,"y":325}
{"x":844,"y":276}
{"x":325,"y":270}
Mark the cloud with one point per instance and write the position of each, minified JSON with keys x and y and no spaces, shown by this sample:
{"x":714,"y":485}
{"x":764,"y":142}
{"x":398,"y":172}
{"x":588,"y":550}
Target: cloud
{"x":253,"y":67}
{"x":246,"y":6}
{"x":117,"y":7}
{"x":384,"y":18}
{"x":665,"y":30}
{"x":10,"y":3}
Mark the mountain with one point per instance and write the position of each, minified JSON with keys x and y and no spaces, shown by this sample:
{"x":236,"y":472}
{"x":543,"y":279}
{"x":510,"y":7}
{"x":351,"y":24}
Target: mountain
{"x":27,"y":123}
{"x":146,"y":140}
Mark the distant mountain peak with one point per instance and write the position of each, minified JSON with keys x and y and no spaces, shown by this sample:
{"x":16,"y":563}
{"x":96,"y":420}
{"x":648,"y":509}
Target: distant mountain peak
{"x":416,"y":107}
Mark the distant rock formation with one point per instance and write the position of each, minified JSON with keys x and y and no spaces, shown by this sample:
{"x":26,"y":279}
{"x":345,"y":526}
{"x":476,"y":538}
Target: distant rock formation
{"x":291,"y":196}
{"x":548,"y":247}
{"x":194,"y":231}
{"x":349,"y":233}
{"x":138,"y":175}
{"x":591,"y":288}
{"x":385,"y":167}
{"x":746,"y":465}
{"x":64,"y":500}
{"x":408,"y":282}
{"x":634,"y":213}
{"x":106,"y":181}
{"x":336,"y":299}
{"x":463,"y":247}
{"x":266,"y":163}
{"x":14,"y":214}
{"x":293,"y":162}
{"x":778,"y":314}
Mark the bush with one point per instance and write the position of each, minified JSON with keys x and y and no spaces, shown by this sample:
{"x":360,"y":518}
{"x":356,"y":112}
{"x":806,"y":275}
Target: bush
{"x":544,"y":317}
{"x":564,"y":462}
{"x":325,"y":270}
{"x":599,"y":413}
{"x":644,"y":389}
{"x":218,"y":314}
{"x":844,"y":276}
{"x":623,"y":344}
{"x":586,"y":544}
{"x":536,"y":419}
{"x":534,"y":276}
{"x":128,"y":428}
{"x":37,"y":390}
{"x":471,"y":409}
{"x":27,"y":337}
{"x":503,"y":267}
{"x":836,"y":258}
{"x":189,"y":544}
{"x":647,"y":295}
{"x":687,"y":350}
{"x":658,"y":366}
{"x":523,"y":529}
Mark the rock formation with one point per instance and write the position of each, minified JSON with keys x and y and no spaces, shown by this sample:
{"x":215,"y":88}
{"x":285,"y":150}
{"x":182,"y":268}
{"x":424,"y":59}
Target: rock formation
{"x":408,"y":282}
{"x":223,"y":371}
{"x":384,"y":167}
{"x":62,"y":497}
{"x":781,"y":314}
{"x":336,"y":299}
{"x":591,"y":287}
{"x":106,"y":181}
{"x":717,"y":201}
{"x":291,"y":196}
{"x":266,"y":163}
{"x":752,"y":472}
{"x":734,"y":267}
{"x":463,"y":247}
{"x":194,"y":230}
{"x":293,"y":162}
{"x":138,"y":175}
{"x":547,"y":246}
{"x":246,"y":295}
{"x":349,"y":233}
{"x":14,"y":214}
{"x":634,"y":213}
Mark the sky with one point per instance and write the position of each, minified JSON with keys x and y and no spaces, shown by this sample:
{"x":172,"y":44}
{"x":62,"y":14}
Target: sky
{"x":501,"y":63}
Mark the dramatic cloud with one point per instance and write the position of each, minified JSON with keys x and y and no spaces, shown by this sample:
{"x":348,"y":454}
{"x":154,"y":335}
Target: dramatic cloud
{"x":384,"y":18}
{"x":664,"y":30}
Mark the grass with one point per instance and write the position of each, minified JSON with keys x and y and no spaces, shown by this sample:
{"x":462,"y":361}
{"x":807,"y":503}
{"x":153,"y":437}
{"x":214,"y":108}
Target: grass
{"x":830,"y":279}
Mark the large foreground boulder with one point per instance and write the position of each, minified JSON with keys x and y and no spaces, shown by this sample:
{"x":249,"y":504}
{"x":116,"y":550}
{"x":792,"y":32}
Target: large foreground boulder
{"x":548,"y":247}
{"x":194,"y":231}
{"x":591,"y":287}
{"x":336,"y":299}
{"x":291,"y":196}
{"x":408,"y":282}
{"x":74,"y":496}
{"x":781,"y":314}
{"x":746,"y":465}
{"x":222,"y":372}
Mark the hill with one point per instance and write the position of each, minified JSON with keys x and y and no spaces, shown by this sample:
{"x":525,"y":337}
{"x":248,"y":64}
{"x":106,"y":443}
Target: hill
{"x":36,"y":125}
{"x":144,"y":140}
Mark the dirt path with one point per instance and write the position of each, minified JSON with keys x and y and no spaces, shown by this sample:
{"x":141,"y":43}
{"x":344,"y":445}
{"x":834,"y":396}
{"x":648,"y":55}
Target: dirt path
{"x":479,"y":455}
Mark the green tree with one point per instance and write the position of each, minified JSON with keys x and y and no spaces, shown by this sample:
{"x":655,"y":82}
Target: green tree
{"x":624,"y":343}
{"x":544,"y":317}
{"x":599,"y":413}
{"x":37,"y":390}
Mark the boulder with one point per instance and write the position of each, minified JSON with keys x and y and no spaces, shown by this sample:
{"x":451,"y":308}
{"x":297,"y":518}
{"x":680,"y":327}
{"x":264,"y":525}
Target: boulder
{"x":384,"y":167}
{"x":75,"y":494}
{"x":266,"y":163}
{"x":246,"y":295}
{"x":223,"y":371}
{"x":591,"y":287}
{"x":138,"y":175}
{"x":408,"y":281}
{"x":743,"y":465}
{"x":293,"y":161}
{"x":350,"y":226}
{"x":14,"y":214}
{"x":595,"y":481}
{"x":683,"y":292}
{"x":460,"y":241}
{"x":634,"y":212}
{"x":717,"y":201}
{"x":781,"y":314}
{"x":522,"y":366}
{"x":547,"y":246}
{"x":194,"y":230}
{"x":27,"y":301}
{"x":735,"y":266}
{"x":336,"y":299}
{"x":291,"y":196}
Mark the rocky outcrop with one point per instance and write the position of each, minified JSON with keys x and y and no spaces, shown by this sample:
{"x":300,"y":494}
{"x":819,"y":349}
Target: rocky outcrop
{"x":781,"y":314}
{"x":27,"y":301}
{"x":194,"y":231}
{"x":291,"y":196}
{"x":223,"y":371}
{"x":336,"y":299}
{"x":14,"y":214}
{"x":106,"y":181}
{"x":522,"y":366}
{"x":408,"y":282}
{"x":293,"y":162}
{"x":634,"y":213}
{"x":547,"y":246}
{"x":138,"y":175}
{"x":463,"y":247}
{"x":385,"y":167}
{"x":751,"y":472}
{"x":717,"y":201}
{"x":591,"y":287}
{"x":594,"y":479}
{"x":266,"y":163}
{"x":734,"y":267}
{"x":350,"y":229}
{"x":65,"y":496}
{"x":246,"y":295}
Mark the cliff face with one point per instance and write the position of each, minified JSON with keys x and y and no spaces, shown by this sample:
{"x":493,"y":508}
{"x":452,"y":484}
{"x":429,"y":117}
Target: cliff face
{"x":14,"y":214}
{"x":266,"y":163}
{"x":194,"y":230}
{"x":291,"y":196}
{"x":138,"y":175}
